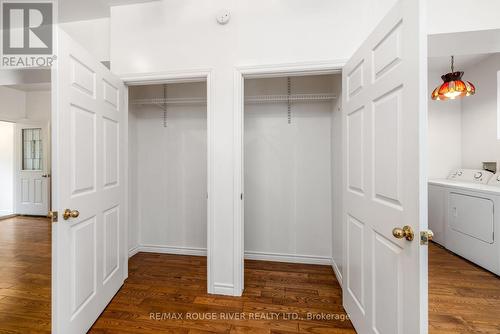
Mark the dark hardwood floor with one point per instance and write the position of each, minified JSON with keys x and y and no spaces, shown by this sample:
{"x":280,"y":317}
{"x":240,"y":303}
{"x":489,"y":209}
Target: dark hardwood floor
{"x":177,"y":284}
{"x":463,"y":298}
{"x":25,"y":254}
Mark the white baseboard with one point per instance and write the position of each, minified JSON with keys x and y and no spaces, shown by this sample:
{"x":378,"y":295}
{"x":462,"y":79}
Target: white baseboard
{"x":291,"y":258}
{"x":133,"y":251}
{"x":6,"y":213}
{"x":225,"y":289}
{"x":336,"y":270}
{"x":278,"y":257}
{"x":171,"y":250}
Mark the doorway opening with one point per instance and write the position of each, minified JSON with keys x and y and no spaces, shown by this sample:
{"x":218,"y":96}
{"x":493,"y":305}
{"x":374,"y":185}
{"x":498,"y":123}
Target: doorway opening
{"x":26,"y":149}
{"x":464,"y":185}
{"x":291,"y":161}
{"x":168,"y":174}
{"x":25,"y":200}
{"x":276,"y":109}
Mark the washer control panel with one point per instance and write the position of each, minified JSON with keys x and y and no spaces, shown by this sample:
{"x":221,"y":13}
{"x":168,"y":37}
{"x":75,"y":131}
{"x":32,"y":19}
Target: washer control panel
{"x":495,"y":180}
{"x":471,"y":175}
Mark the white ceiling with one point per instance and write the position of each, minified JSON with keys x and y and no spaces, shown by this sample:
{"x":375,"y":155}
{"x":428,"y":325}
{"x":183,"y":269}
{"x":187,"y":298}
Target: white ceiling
{"x":76,"y":10}
{"x":462,"y":62}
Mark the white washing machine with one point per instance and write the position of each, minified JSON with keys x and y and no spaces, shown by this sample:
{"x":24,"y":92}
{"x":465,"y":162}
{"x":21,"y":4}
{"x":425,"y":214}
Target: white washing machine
{"x":464,"y":214}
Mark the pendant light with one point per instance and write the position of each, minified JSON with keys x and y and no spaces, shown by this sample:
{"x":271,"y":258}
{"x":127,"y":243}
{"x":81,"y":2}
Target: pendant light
{"x":453,"y":86}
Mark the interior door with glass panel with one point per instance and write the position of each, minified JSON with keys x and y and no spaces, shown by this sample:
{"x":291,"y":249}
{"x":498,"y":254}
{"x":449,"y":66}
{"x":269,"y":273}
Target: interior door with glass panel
{"x":385,"y":193}
{"x":32,"y":177}
{"x":89,"y":129}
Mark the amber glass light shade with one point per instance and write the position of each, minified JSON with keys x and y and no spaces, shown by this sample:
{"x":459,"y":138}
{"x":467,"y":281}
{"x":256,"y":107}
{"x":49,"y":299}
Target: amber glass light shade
{"x":453,"y":87}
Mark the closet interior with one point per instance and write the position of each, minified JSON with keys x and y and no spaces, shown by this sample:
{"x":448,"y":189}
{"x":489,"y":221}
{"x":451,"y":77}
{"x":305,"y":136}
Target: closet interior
{"x":168,"y":168}
{"x":292,"y":169}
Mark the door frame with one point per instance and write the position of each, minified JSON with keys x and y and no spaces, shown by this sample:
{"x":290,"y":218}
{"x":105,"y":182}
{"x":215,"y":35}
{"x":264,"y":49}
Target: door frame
{"x":184,"y":76}
{"x":259,"y":72}
{"x":14,"y":166}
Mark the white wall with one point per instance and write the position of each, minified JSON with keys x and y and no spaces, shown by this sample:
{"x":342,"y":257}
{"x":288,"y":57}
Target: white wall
{"x":24,"y":76}
{"x":464,"y":43}
{"x":38,"y":105}
{"x":288,"y":200}
{"x":6,"y":168}
{"x":93,"y":35}
{"x":445,"y":132}
{"x":462,"y":15}
{"x":479,"y":115}
{"x":169,"y":171}
{"x":19,"y":105}
{"x":177,"y":34}
{"x":12,"y":104}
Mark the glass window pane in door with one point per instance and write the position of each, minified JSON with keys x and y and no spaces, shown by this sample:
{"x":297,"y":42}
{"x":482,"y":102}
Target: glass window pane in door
{"x":32,"y":149}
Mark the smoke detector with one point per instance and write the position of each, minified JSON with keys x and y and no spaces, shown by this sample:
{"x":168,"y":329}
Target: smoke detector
{"x":223,"y":16}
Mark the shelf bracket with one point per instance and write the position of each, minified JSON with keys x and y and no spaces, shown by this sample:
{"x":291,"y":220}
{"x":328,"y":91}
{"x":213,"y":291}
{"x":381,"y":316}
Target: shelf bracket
{"x":289,"y":103}
{"x":165,"y":112}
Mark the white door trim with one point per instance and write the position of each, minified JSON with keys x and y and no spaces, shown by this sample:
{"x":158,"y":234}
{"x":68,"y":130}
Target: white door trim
{"x":182,"y":76}
{"x":253,"y":72}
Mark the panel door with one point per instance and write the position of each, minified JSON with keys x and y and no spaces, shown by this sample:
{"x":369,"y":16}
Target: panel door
{"x":89,"y":146}
{"x":32,"y":178}
{"x":384,"y":117}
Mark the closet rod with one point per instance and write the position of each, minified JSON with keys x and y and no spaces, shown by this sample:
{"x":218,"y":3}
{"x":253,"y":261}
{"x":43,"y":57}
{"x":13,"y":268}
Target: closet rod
{"x":248,"y":99}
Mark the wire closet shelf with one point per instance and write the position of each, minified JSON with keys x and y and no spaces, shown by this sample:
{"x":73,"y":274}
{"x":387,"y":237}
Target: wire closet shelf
{"x":249,"y":99}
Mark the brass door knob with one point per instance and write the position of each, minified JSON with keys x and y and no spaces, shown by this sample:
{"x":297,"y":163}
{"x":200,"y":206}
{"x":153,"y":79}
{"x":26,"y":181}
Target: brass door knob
{"x":70,"y":214}
{"x":405,"y":232}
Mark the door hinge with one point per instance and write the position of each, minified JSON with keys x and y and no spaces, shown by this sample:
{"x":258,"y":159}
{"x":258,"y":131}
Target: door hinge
{"x":53,"y":215}
{"x":241,"y":196}
{"x":426,"y":236}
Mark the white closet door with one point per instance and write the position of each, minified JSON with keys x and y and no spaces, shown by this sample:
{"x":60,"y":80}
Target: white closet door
{"x":385,"y":106}
{"x":89,"y":164}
